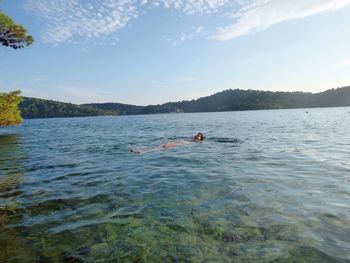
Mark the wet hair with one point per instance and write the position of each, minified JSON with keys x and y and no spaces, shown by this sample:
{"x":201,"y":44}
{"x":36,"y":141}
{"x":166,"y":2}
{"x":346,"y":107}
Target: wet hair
{"x":201,"y":135}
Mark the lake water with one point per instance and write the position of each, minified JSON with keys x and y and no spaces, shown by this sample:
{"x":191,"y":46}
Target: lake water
{"x":265,"y":186}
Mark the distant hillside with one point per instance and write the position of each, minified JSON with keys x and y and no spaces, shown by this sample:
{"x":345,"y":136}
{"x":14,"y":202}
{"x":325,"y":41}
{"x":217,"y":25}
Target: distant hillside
{"x":39,"y":108}
{"x":116,"y":108}
{"x":228,"y":100}
{"x":234,"y":100}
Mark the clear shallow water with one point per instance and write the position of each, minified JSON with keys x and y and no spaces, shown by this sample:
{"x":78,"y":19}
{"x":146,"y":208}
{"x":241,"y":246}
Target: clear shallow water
{"x":266,"y":186}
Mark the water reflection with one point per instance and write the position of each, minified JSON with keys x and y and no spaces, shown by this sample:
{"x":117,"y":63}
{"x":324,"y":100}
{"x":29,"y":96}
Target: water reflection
{"x":13,"y":245}
{"x":11,"y":155}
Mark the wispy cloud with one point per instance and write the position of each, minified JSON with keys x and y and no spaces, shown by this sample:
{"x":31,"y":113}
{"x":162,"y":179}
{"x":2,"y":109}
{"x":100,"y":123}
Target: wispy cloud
{"x":261,"y":14}
{"x":77,"y":20}
{"x":74,"y":20}
{"x":69,"y":19}
{"x":186,"y":36}
{"x":190,"y":7}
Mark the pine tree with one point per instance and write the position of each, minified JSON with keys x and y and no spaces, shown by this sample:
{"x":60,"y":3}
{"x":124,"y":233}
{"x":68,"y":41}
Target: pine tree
{"x":9,"y":112}
{"x":13,"y":35}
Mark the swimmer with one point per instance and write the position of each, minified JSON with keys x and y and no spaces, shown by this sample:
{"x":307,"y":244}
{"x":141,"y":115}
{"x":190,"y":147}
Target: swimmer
{"x":199,"y":137}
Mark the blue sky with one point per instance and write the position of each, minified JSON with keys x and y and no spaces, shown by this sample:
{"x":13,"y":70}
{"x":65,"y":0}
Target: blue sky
{"x":149,"y":52}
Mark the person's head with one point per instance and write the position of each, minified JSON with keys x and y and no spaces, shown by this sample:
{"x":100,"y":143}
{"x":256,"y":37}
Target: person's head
{"x":199,"y":137}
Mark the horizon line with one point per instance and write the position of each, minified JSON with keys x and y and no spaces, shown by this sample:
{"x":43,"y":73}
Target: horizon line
{"x":87,"y":103}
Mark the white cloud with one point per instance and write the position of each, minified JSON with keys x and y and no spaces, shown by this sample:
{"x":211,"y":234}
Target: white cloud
{"x":262,"y":14}
{"x":185,"y":36}
{"x":90,"y":20}
{"x":69,"y":19}
{"x":195,"y":6}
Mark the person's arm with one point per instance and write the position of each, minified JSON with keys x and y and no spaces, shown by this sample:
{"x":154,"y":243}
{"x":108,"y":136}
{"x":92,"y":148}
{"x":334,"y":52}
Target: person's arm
{"x":173,"y":144}
{"x":162,"y":146}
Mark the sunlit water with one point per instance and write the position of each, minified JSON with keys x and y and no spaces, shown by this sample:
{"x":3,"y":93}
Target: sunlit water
{"x":266,"y":186}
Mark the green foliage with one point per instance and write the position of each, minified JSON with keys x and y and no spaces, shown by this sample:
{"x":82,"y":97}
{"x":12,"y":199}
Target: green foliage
{"x":9,"y":112}
{"x":228,"y":100}
{"x":238,"y":100}
{"x":39,"y":108}
{"x":117,"y":108}
{"x":13,"y":35}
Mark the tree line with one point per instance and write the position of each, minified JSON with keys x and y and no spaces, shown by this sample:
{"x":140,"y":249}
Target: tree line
{"x":228,"y":100}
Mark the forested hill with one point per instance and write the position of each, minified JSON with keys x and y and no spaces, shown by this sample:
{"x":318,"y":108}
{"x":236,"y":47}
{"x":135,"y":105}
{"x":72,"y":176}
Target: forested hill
{"x":234,"y":100}
{"x":40,"y":108}
{"x":228,"y":100}
{"x":116,"y":108}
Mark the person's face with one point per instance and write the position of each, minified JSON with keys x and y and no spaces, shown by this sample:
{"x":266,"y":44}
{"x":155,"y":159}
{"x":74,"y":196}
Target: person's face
{"x":198,"y":137}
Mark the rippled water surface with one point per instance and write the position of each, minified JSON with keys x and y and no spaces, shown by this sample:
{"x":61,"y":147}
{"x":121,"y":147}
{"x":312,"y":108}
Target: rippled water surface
{"x":265,"y":186}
